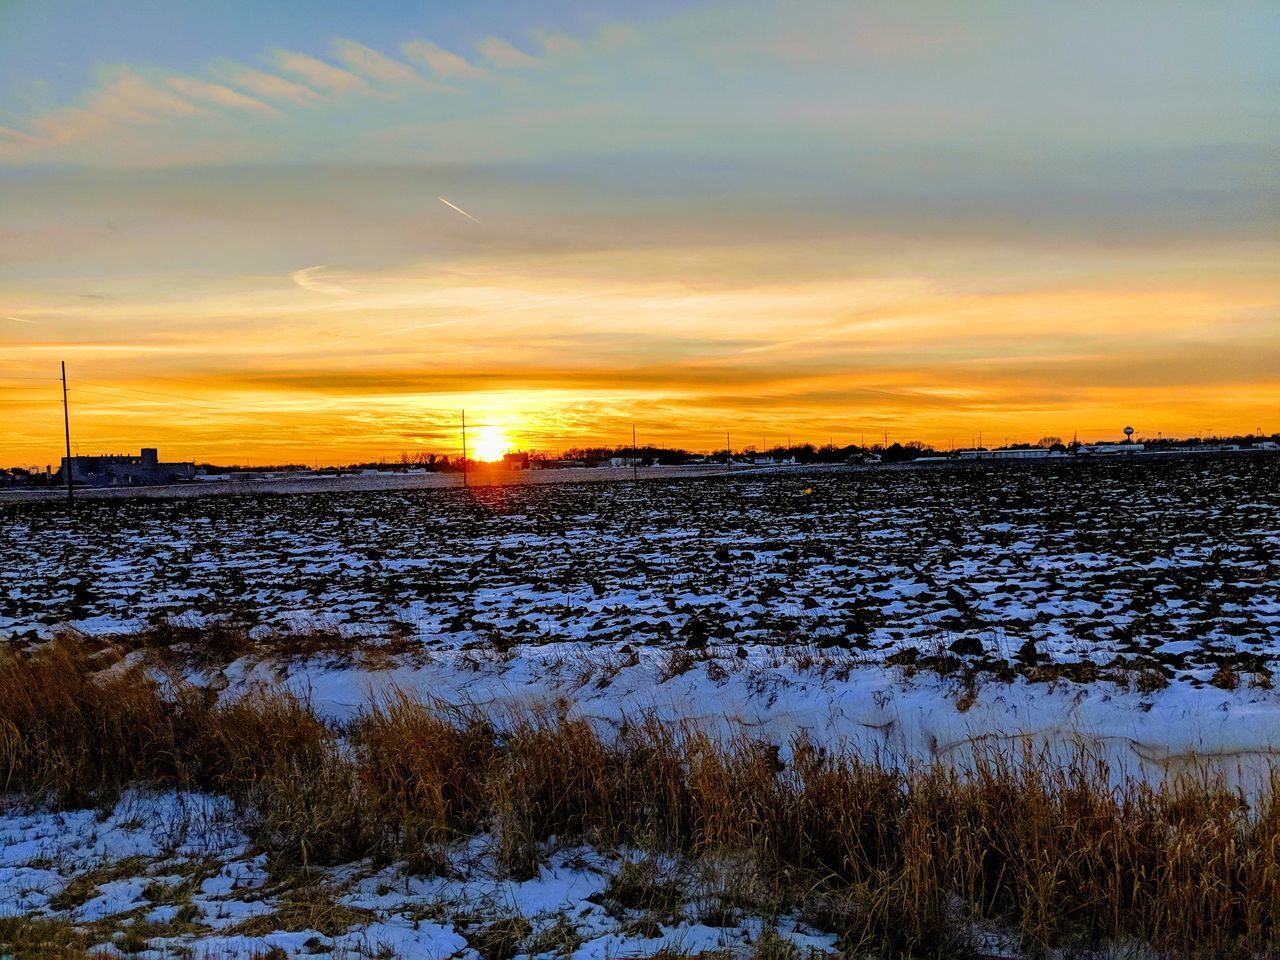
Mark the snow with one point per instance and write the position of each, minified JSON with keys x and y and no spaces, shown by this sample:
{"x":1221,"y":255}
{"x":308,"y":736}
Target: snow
{"x":149,"y":839}
{"x":877,"y":562}
{"x":872,"y":710}
{"x":696,"y":601}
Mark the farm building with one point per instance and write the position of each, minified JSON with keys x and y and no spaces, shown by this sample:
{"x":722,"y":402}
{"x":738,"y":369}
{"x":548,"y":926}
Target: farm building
{"x":116,"y":470}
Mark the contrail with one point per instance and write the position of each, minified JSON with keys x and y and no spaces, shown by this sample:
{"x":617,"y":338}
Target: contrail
{"x":19,"y":320}
{"x":313,"y":279}
{"x":458,"y":208}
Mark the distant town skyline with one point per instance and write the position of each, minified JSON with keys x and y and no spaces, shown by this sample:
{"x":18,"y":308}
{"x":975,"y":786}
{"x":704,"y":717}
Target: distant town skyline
{"x":262,"y":233}
{"x":492,"y":446}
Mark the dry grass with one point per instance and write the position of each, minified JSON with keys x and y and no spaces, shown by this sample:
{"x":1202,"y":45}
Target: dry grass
{"x":40,"y":938}
{"x":424,"y":770}
{"x":314,"y":907}
{"x":68,"y":735}
{"x":900,"y":863}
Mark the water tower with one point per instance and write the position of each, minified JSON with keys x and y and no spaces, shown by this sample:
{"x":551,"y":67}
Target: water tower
{"x":1128,"y":434}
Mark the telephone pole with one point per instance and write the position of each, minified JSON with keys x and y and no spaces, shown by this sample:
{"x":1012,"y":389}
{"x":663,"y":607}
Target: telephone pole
{"x":728,"y":452}
{"x":635,"y":471}
{"x":66,"y":426}
{"x":464,"y":448}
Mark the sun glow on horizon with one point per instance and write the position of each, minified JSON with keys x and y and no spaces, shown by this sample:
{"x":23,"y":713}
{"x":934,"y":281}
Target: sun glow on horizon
{"x":488,"y":443}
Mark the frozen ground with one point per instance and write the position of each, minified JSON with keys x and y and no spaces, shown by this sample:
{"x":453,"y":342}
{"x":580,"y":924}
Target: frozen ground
{"x":1172,"y":565}
{"x":171,"y":875}
{"x":1131,"y":607}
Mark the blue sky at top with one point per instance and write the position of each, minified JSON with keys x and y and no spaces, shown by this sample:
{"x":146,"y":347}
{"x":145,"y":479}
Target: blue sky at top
{"x":51,"y":50}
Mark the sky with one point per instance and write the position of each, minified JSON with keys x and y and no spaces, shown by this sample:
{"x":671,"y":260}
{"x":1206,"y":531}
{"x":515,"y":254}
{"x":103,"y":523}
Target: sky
{"x":317,"y":231}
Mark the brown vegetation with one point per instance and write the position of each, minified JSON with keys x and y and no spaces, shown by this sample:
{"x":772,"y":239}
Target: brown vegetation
{"x":899,"y":863}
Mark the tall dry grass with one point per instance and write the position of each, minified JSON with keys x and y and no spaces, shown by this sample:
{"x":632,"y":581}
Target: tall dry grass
{"x":899,"y":862}
{"x":69,"y":730}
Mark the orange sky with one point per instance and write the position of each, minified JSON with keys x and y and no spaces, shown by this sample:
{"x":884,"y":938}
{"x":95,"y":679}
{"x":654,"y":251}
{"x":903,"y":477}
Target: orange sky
{"x":695,"y":222}
{"x":344,"y":365}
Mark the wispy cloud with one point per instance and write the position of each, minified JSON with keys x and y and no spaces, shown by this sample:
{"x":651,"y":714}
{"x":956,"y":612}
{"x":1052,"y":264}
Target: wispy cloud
{"x":373,"y":64}
{"x":502,"y":54}
{"x":445,"y":63}
{"x":558,"y":44}
{"x":129,"y":97}
{"x":17,"y":135}
{"x":320,"y":74}
{"x":317,"y":280}
{"x":125,"y":98}
{"x":219,"y":94}
{"x":269,"y":85}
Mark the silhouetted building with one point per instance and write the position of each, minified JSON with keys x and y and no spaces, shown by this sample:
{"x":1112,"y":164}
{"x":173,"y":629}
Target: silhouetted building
{"x":127,"y":470}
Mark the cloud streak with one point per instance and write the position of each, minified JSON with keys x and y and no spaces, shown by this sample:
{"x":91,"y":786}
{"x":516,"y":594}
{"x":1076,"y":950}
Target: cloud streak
{"x":319,"y":74}
{"x":219,"y":95}
{"x":454,"y":206}
{"x":268,"y":85}
{"x":372,"y":64}
{"x":503,"y":55}
{"x":317,"y":280}
{"x":444,"y":63}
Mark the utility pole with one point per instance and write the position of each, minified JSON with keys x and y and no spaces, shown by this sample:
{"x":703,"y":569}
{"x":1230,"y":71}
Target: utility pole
{"x":728,"y":452}
{"x":66,"y":426}
{"x":635,"y":470}
{"x":464,"y":447}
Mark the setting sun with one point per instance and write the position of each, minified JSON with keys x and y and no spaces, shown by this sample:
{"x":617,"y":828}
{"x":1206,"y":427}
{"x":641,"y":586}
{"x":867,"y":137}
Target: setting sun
{"x":488,"y":443}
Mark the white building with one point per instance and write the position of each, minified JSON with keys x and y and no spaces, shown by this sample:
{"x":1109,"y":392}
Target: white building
{"x":1108,"y":449}
{"x":1032,"y":453}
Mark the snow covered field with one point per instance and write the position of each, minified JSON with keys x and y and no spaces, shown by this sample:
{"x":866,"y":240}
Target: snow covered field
{"x":1133,"y":608}
{"x":1131,"y":605}
{"x":1172,"y":565}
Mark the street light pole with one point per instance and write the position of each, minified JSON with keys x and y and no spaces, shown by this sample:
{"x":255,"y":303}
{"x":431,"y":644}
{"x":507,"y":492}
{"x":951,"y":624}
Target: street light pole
{"x":66,"y":426}
{"x":464,"y":448}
